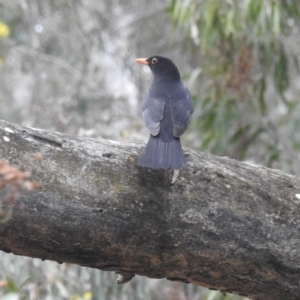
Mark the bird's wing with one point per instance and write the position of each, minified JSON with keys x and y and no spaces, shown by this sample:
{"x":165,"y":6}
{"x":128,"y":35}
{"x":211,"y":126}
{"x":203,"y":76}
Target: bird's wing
{"x":181,"y":114}
{"x":153,"y":110}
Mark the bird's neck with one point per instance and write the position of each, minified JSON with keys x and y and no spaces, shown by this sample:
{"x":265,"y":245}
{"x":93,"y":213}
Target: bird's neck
{"x":170,"y":75}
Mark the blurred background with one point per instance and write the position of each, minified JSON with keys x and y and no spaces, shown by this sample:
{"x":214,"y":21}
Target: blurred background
{"x":69,"y":66}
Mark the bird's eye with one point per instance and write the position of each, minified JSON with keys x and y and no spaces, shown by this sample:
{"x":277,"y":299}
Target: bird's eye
{"x":154,"y":61}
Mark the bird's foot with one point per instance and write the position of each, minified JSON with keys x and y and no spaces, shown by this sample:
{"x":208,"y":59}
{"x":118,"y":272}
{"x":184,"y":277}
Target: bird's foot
{"x":124,"y":277}
{"x":175,"y":175}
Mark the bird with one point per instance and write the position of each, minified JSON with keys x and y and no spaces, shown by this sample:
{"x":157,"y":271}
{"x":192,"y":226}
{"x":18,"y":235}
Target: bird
{"x":167,"y":110}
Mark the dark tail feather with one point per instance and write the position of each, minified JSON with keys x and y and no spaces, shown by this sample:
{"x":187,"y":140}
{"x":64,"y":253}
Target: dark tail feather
{"x":162,"y":155}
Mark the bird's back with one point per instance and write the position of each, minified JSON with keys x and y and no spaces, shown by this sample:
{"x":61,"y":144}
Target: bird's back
{"x":167,"y":109}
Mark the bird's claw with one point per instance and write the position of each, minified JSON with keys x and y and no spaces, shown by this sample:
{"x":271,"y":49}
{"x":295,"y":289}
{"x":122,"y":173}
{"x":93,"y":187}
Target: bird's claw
{"x":124,"y":277}
{"x":175,"y":175}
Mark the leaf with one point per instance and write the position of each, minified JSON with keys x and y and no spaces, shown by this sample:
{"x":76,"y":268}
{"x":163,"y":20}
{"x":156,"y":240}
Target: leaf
{"x":281,"y":72}
{"x":261,"y":95}
{"x":276,"y":18}
{"x":229,"y":23}
{"x":250,"y":141}
{"x":207,"y":139}
{"x":239,"y":133}
{"x":210,"y":15}
{"x":273,"y":155}
{"x":12,"y":286}
{"x":184,"y":12}
{"x":254,"y":9}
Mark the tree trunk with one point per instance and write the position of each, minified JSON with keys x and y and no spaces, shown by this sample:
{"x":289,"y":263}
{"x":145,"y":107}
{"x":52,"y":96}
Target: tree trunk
{"x":224,"y":224}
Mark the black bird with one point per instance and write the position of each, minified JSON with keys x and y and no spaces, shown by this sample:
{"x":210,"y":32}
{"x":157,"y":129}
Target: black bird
{"x":167,"y":109}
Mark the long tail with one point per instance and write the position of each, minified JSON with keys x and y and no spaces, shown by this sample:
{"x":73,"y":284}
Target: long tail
{"x":162,"y":155}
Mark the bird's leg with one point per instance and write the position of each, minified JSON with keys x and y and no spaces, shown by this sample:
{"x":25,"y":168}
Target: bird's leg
{"x":175,"y":175}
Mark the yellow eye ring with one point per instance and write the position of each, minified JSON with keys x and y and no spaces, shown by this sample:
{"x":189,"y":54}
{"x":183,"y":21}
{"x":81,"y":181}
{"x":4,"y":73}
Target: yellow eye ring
{"x":154,"y":61}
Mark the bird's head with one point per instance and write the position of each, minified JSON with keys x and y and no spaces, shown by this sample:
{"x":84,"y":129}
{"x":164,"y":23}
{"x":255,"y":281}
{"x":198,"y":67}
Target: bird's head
{"x":160,"y":66}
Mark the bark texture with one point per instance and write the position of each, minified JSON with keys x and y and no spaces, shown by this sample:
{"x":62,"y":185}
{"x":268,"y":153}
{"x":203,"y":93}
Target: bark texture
{"x":224,"y":224}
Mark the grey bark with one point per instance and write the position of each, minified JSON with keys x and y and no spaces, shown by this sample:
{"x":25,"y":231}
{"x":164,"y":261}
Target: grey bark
{"x":224,"y":224}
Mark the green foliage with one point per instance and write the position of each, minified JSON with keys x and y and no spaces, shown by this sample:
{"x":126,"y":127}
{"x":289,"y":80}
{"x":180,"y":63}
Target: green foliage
{"x":11,"y":285}
{"x":246,"y":73}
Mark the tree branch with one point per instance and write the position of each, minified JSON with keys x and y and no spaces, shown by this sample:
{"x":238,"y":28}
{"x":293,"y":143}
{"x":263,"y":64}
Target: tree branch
{"x":224,"y":224}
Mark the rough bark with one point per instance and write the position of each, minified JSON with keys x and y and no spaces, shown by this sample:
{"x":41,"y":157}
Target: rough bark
{"x":224,"y":224}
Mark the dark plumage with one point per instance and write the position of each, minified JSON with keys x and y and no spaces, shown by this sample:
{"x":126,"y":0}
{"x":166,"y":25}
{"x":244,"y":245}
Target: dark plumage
{"x":167,"y":109}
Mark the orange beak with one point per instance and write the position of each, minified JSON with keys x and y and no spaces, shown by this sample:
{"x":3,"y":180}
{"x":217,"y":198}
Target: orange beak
{"x":142,"y":61}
